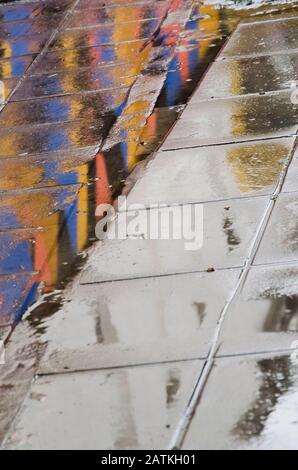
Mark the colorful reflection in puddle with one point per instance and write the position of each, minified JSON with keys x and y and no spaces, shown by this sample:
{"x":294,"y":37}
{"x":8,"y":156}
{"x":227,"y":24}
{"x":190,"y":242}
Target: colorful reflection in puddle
{"x":60,"y":165}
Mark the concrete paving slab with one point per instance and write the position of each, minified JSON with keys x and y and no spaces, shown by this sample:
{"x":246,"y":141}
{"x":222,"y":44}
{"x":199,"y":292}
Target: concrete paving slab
{"x":55,"y":137}
{"x":21,"y":48}
{"x":117,"y":14}
{"x":244,"y":76}
{"x":227,"y":236}
{"x":113,"y":330}
{"x":39,"y":171}
{"x":264,"y":314}
{"x":291,"y":180}
{"x":8,"y":86}
{"x":107,"y":48}
{"x":17,"y":292}
{"x":236,"y":119}
{"x":280,"y":242}
{"x":127,"y":31}
{"x":260,"y":402}
{"x":35,"y":208}
{"x":10,"y":68}
{"x":16,"y":375}
{"x":129,"y":408}
{"x":28,"y":10}
{"x":96,"y":107}
{"x":264,"y":38}
{"x":210,"y":173}
{"x":83,"y":4}
{"x":80,"y":80}
{"x":20,"y":242}
{"x":58,"y":60}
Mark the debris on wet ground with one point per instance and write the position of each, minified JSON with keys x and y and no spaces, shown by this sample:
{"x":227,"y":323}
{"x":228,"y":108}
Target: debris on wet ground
{"x":85,"y":101}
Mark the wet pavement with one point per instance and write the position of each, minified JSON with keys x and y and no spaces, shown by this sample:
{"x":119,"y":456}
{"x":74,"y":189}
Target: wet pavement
{"x":87,"y":99}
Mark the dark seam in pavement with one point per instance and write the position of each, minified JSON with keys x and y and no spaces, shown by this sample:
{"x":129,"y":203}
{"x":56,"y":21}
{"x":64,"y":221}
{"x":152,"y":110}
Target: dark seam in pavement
{"x":231,"y":142}
{"x":169,"y":361}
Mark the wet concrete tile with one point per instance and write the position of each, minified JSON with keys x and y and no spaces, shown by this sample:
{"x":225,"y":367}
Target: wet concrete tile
{"x":8,"y":86}
{"x":42,"y":170}
{"x":11,"y":68}
{"x":85,"y":79}
{"x":235,"y":119}
{"x":260,"y":412}
{"x":264,"y":314}
{"x":129,"y":33}
{"x":23,"y":46}
{"x":227,"y":235}
{"x":85,"y":4}
{"x":244,"y":76}
{"x":18,"y":291}
{"x":113,"y":331}
{"x":70,"y":58}
{"x":113,"y":406}
{"x":36,"y":208}
{"x":91,"y":107}
{"x":16,"y":250}
{"x":280,"y":242}
{"x":22,"y":354}
{"x":56,"y":137}
{"x":105,"y":34}
{"x":117,"y":15}
{"x":264,"y":38}
{"x":210,"y":173}
{"x":18,"y":11}
{"x":291,"y":180}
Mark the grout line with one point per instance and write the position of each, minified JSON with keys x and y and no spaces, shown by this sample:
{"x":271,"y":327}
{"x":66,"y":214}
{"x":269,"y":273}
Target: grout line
{"x":166,"y":361}
{"x":231,"y":142}
{"x":158,"y":276}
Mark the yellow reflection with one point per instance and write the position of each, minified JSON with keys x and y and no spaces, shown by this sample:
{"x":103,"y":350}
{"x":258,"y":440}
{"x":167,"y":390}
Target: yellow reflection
{"x":256,"y":166}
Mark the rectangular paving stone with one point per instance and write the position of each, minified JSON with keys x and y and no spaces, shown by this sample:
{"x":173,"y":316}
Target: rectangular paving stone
{"x":18,"y":291}
{"x":30,"y":10}
{"x":23,"y":46}
{"x":236,"y":119}
{"x":86,"y":4}
{"x":210,"y":173}
{"x":10,"y":68}
{"x":16,"y":250}
{"x":264,"y":314}
{"x":34,"y":208}
{"x":8,"y":86}
{"x":93,"y":107}
{"x":116,"y":14}
{"x":121,"y":414}
{"x":252,"y":75}
{"x":260,"y":402}
{"x":280,"y":242}
{"x":228,"y":231}
{"x":18,"y":11}
{"x":101,"y":36}
{"x":264,"y":38}
{"x":61,"y":60}
{"x":37,"y":171}
{"x":112,"y":330}
{"x":109,"y":34}
{"x":79,"y":80}
{"x":55,"y":137}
